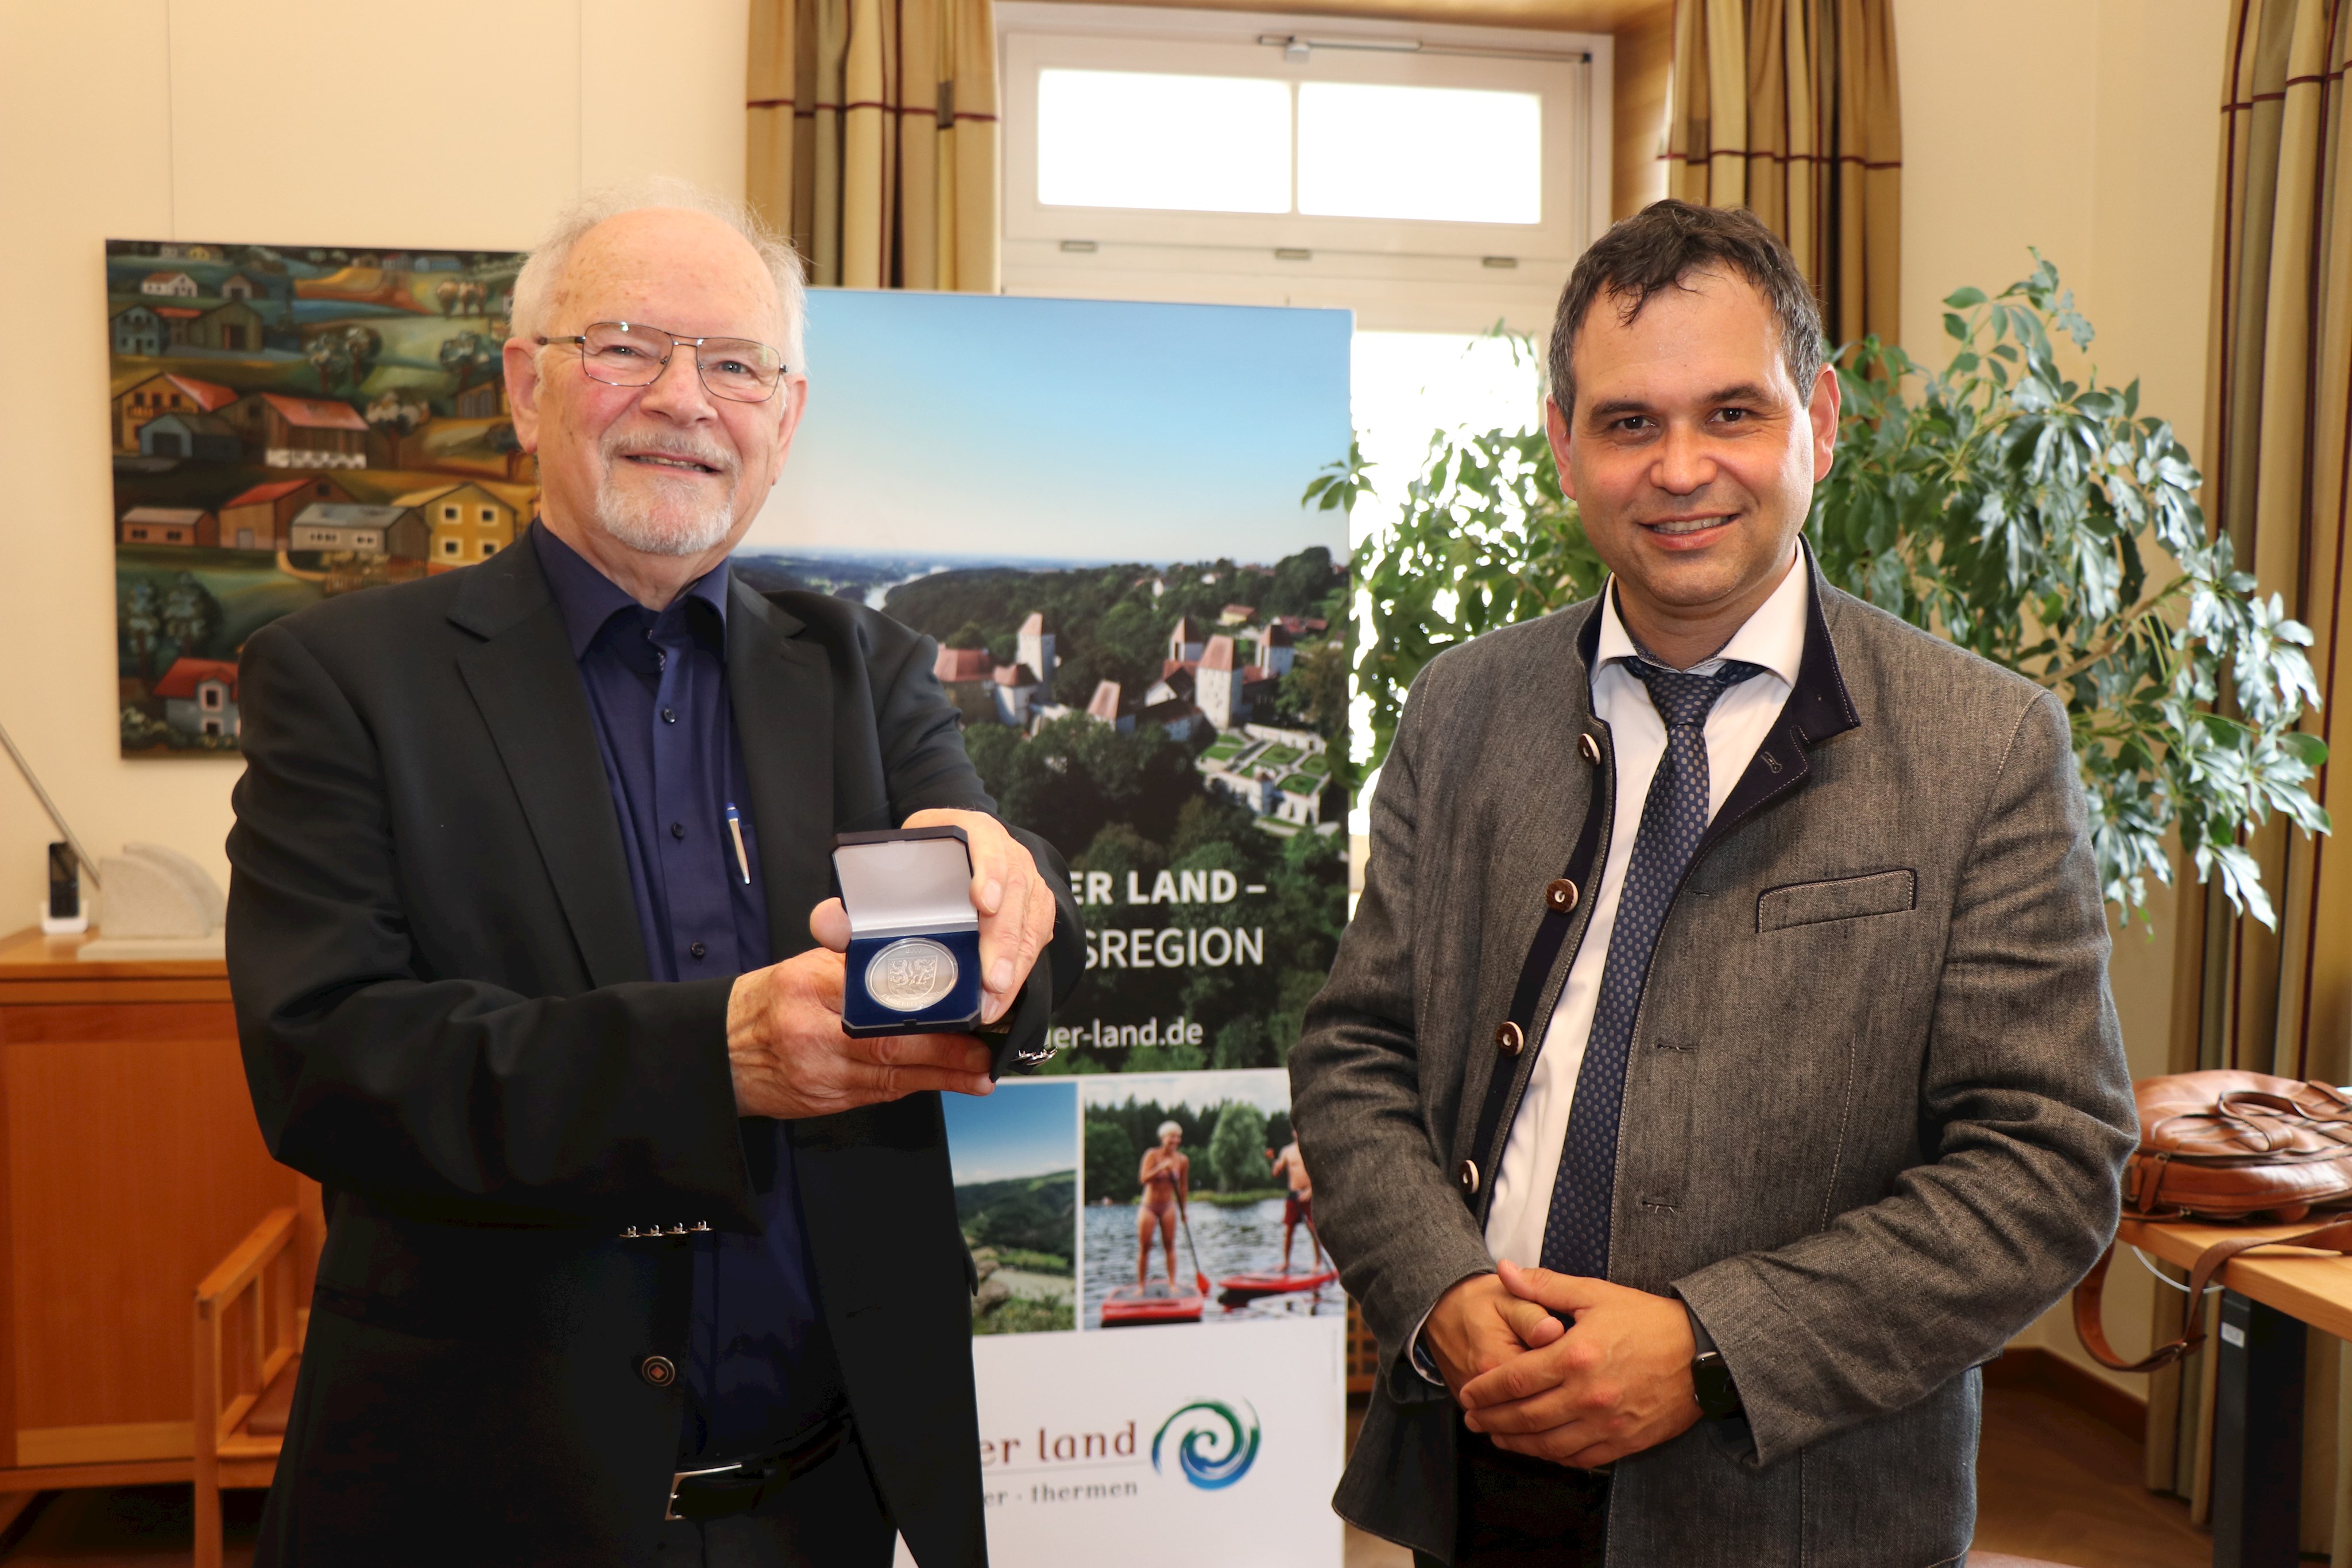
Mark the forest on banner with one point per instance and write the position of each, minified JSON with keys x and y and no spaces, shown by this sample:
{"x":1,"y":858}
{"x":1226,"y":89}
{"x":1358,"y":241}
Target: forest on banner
{"x":1184,"y":747}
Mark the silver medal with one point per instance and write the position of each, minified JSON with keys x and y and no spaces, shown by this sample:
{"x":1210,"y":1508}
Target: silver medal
{"x":911,"y":974}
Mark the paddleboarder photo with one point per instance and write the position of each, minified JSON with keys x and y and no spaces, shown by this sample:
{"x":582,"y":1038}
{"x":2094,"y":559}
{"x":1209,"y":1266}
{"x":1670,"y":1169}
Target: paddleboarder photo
{"x":1298,"y":1208}
{"x":1196,"y":1157}
{"x":1165,"y":1175}
{"x":1167,"y":1178}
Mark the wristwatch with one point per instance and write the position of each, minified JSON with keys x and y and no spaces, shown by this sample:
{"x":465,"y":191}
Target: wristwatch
{"x":1718,"y":1397}
{"x":1711,"y":1385}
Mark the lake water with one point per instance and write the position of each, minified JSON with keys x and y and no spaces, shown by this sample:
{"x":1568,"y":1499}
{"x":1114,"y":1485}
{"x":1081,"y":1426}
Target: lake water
{"x":1241,"y":1240}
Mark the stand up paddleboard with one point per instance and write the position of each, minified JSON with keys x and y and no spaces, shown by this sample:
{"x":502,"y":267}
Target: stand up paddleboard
{"x":1243,"y":1288}
{"x":1155,"y":1303}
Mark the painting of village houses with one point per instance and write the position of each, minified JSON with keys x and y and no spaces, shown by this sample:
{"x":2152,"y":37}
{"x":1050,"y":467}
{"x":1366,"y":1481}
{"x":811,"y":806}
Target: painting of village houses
{"x":289,"y":423}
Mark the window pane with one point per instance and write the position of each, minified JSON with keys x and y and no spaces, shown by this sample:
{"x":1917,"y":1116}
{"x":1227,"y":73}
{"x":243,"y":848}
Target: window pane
{"x":1136,"y":139}
{"x":1455,"y":154}
{"x":1403,"y":387}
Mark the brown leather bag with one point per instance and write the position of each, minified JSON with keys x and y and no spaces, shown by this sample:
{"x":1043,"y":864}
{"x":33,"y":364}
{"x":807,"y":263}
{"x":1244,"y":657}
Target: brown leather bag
{"x":2226,"y":1147}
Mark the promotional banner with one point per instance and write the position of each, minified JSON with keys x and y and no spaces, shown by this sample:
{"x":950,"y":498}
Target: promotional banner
{"x":1095,"y":509}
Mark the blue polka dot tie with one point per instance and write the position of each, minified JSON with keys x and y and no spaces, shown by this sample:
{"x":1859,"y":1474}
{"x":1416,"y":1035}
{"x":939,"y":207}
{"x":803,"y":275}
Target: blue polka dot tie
{"x":1673,"y":819}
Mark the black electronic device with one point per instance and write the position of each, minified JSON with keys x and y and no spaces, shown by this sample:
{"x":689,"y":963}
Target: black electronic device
{"x":65,"y":882}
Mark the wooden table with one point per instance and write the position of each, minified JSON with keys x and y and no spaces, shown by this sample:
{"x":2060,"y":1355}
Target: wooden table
{"x":131,"y":1166}
{"x":2266,"y":1300}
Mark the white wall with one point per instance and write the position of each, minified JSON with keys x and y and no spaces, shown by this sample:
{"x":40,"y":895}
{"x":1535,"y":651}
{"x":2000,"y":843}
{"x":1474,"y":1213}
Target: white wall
{"x":436,"y":123}
{"x":2090,"y":129}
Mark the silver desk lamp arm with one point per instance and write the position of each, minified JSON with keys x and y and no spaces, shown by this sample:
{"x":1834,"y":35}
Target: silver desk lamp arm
{"x":50,"y":806}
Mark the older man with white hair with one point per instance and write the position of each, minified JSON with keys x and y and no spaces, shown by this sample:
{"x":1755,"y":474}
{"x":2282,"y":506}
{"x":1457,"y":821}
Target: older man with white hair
{"x":633,"y":1255}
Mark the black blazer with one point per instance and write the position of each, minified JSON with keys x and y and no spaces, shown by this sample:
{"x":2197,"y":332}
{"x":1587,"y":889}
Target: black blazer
{"x":446,"y":1019}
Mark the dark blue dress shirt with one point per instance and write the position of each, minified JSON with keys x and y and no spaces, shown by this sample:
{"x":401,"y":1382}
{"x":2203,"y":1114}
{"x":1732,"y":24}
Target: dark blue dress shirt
{"x":759,"y":1366}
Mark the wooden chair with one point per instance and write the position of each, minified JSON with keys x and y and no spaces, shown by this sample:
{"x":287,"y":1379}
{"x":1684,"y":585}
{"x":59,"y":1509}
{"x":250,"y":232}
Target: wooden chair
{"x":251,"y":1315}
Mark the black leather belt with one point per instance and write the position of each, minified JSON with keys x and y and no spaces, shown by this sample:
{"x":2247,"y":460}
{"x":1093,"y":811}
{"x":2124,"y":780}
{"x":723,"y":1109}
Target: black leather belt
{"x":721,"y":1491}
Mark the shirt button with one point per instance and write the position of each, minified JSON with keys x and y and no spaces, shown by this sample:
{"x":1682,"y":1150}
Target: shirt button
{"x":678,"y":830}
{"x":698,"y":950}
{"x":659,"y":1370}
{"x":670,"y":716}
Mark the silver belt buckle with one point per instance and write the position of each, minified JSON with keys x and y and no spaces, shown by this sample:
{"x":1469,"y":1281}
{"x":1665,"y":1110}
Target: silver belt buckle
{"x":679,"y":1478}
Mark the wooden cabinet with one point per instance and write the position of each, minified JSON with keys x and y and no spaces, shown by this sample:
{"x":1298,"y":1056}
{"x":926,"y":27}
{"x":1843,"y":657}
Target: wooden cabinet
{"x":133,"y":1167}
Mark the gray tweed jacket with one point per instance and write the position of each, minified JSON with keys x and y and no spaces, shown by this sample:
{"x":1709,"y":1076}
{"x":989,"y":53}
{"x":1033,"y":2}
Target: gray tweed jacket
{"x":1876,"y":1104}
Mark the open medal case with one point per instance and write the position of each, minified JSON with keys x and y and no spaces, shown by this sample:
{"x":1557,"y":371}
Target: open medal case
{"x":913,"y":965}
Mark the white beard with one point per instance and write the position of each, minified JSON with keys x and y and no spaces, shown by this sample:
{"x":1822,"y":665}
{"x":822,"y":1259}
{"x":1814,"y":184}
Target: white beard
{"x":652,"y":524}
{"x":642,"y":528}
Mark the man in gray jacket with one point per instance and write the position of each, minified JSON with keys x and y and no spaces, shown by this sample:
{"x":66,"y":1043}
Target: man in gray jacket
{"x":1720,"y":1065}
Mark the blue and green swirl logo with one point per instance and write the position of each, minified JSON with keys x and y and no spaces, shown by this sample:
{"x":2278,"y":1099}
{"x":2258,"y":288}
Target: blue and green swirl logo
{"x":1215,"y":1446}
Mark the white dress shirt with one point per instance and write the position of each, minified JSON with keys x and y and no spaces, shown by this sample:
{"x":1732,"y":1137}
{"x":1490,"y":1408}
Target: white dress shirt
{"x":1772,"y":638}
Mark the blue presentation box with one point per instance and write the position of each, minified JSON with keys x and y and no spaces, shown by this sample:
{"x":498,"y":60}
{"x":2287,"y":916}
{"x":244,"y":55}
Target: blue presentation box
{"x":957,"y":1013}
{"x":913,"y":965}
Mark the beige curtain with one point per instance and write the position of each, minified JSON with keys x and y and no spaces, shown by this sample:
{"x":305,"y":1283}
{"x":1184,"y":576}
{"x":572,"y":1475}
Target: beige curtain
{"x":1791,"y":108}
{"x":2277,"y":458}
{"x":872,"y":139}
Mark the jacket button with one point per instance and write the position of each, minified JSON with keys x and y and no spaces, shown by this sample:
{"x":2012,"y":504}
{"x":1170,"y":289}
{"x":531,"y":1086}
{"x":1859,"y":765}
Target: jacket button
{"x":1465,"y":1175}
{"x":659,"y":1370}
{"x":1508,"y":1039}
{"x":1590,"y":747}
{"x":1559,"y":895}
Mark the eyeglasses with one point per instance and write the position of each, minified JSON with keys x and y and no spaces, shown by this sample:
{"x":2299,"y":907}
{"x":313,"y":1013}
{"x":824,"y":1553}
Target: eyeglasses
{"x":631,"y":354}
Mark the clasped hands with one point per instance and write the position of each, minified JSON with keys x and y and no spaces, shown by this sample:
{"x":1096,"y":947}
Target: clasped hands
{"x":1617,"y":1383}
{"x":784,"y":1043}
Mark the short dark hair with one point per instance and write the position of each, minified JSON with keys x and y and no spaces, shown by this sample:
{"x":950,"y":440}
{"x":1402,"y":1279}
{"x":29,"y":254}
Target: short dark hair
{"x":1659,"y":246}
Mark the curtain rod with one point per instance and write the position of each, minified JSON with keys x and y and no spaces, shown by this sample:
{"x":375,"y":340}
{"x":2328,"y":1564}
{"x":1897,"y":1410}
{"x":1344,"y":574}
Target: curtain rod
{"x":1295,"y":47}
